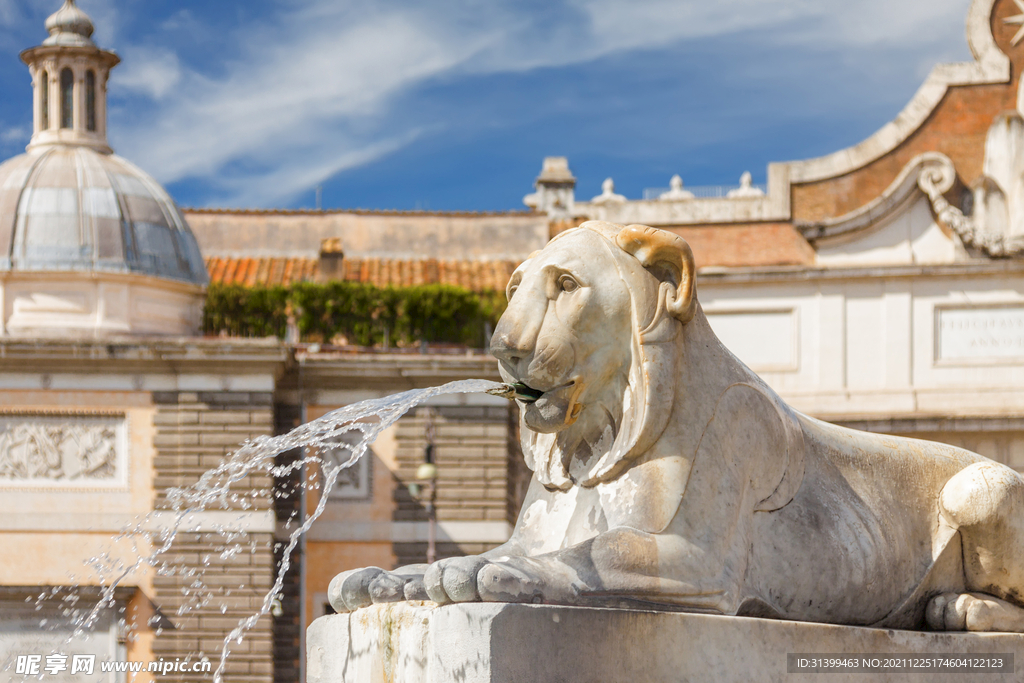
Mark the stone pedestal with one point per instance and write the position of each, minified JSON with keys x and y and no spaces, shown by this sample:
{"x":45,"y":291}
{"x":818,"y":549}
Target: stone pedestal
{"x":489,"y":642}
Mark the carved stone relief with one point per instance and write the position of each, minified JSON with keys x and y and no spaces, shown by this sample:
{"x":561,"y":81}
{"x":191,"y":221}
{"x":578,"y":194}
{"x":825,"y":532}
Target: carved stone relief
{"x":62,"y":449}
{"x":996,"y":227}
{"x":355,"y":482}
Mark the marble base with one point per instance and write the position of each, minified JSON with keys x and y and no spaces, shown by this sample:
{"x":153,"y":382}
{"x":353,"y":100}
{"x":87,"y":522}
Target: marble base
{"x":510,"y":643}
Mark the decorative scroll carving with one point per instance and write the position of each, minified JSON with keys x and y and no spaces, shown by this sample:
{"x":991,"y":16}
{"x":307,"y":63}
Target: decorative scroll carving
{"x":61,"y":449}
{"x":937,"y":177}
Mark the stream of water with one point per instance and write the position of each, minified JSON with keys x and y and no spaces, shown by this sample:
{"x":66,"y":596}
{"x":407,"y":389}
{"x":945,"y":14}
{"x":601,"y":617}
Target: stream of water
{"x":222,"y":489}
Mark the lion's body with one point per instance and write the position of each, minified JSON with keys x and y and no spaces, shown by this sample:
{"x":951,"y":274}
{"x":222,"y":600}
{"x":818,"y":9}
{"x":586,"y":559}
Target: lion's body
{"x":667,"y":472}
{"x":865,"y":520}
{"x":773,"y":513}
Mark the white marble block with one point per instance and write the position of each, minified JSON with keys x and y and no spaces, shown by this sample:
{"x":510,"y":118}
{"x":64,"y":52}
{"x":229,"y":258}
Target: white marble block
{"x":512,"y":643}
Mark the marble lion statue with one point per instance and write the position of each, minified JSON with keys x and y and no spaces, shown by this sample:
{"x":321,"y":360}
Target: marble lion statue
{"x":668,"y":475}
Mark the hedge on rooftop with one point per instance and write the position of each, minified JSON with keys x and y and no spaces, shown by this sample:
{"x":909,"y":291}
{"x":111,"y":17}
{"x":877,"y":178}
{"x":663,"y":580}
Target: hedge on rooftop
{"x":354,"y":313}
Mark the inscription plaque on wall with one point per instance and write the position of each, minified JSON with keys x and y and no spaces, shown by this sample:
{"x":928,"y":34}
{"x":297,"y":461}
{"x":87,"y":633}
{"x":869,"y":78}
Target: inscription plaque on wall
{"x":85,"y":451}
{"x":980,"y":333}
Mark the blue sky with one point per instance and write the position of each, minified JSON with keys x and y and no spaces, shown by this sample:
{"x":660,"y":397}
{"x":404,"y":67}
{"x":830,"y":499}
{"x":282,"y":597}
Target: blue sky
{"x":452,"y":104}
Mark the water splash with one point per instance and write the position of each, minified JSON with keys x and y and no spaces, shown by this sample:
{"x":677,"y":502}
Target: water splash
{"x":218,"y":489}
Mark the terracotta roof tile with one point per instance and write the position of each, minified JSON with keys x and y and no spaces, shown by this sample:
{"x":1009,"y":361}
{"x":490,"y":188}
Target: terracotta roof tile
{"x":261,"y":271}
{"x":358,"y":212}
{"x":732,"y":246}
{"x":474,"y":275}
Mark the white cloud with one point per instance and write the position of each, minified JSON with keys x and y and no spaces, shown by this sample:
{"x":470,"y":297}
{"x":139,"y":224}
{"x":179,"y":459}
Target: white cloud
{"x":317,"y":165}
{"x":636,"y":24}
{"x":317,"y":94}
{"x":15,"y":134}
{"x":154,"y":72}
{"x":303,"y":95}
{"x":182,"y":19}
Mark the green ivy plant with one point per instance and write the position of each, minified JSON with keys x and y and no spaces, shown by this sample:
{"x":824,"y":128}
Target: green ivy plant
{"x":343,"y":312}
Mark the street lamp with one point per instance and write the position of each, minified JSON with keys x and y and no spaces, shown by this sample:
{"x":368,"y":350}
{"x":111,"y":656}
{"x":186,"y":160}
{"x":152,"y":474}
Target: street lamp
{"x":424,"y":488}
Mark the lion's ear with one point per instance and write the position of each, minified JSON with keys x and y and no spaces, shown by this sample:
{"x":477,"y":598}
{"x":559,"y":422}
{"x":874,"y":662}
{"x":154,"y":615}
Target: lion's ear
{"x":669,"y":258}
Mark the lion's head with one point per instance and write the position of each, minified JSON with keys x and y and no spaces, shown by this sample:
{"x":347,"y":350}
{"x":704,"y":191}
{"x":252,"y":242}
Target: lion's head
{"x":591,"y":323}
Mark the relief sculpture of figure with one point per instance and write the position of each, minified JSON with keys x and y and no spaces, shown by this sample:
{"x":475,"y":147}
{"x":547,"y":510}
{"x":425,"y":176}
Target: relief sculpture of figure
{"x":668,"y":475}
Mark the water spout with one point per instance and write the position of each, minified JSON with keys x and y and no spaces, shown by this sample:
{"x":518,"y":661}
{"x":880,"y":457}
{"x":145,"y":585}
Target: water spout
{"x":516,"y":392}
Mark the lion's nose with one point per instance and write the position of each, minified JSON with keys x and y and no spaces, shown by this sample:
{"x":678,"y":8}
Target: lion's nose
{"x":515,"y":335}
{"x":507,"y":348}
{"x":512,"y":342}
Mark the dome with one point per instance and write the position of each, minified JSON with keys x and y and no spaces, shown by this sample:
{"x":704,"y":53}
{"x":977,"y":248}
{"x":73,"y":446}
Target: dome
{"x":89,"y":244}
{"x":69,"y":26}
{"x":66,"y":208}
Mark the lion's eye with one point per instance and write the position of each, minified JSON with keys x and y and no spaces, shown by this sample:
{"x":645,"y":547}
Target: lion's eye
{"x":568,"y":284}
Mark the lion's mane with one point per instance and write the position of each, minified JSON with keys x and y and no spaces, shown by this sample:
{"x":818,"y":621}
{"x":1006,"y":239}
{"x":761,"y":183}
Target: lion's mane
{"x":565,"y":458}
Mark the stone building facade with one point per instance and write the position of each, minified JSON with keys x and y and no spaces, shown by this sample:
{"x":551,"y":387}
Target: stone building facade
{"x":109,"y":400}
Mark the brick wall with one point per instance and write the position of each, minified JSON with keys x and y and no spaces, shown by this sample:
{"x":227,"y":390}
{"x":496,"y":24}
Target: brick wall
{"x":739,"y":245}
{"x":473,"y":461}
{"x":193,"y":434}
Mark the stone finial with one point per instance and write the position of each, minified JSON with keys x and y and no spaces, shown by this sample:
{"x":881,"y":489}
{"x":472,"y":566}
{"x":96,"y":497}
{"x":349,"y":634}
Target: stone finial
{"x":556,"y":194}
{"x":69,"y":26}
{"x":555,"y":170}
{"x":331,"y":245}
{"x":746,"y":188}
{"x":608,"y":194}
{"x":676,"y":191}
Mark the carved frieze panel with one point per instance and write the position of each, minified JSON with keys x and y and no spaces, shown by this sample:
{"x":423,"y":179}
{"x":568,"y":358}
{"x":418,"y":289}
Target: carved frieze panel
{"x":71,"y":450}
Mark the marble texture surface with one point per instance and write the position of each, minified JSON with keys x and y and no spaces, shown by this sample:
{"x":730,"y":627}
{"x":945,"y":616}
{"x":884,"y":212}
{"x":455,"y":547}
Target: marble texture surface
{"x":478,"y":643}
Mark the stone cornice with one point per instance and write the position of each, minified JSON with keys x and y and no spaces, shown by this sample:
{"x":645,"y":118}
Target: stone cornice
{"x":740,"y":276}
{"x":8,"y":276}
{"x":149,"y":355}
{"x":391,"y":370}
{"x":108,"y":58}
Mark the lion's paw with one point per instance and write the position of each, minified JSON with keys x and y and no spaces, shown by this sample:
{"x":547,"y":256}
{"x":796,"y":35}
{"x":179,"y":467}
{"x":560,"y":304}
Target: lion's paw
{"x":503,"y":582}
{"x":454,"y":579}
{"x":973,"y":612}
{"x":350,"y":590}
{"x":359,"y":588}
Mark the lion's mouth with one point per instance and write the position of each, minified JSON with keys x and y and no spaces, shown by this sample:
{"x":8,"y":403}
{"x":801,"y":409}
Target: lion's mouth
{"x":524,"y":393}
{"x":520,"y":391}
